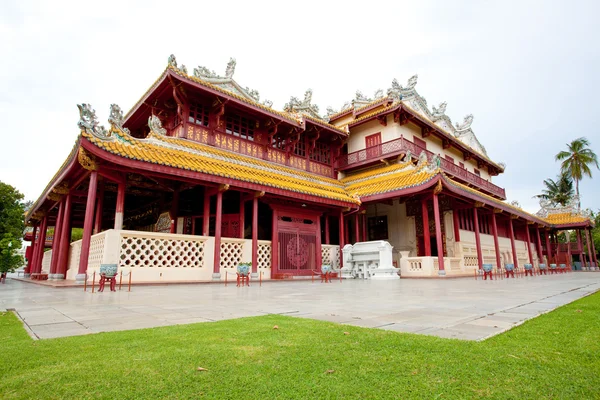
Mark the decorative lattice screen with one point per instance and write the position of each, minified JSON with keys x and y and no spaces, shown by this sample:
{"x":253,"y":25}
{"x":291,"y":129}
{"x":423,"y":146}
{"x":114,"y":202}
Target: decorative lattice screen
{"x":231,"y":253}
{"x":74,"y":253}
{"x":96,"y":251}
{"x":264,"y":255}
{"x":159,"y":252}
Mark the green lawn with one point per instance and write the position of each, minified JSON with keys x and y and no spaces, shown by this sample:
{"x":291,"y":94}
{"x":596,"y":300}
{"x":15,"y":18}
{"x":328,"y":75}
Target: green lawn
{"x":554,"y":356}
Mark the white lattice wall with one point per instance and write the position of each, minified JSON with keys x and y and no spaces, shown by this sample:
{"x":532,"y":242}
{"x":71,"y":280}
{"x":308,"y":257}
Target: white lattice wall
{"x":74,"y":253}
{"x":96,"y":250}
{"x":264,"y":255}
{"x":232,"y":251}
{"x":46,"y":261}
{"x":141,"y":251}
{"x":330,"y":255}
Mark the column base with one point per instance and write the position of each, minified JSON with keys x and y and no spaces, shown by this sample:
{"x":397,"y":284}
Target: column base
{"x":51,"y":277}
{"x":80,"y":278}
{"x":254,"y":275}
{"x":58,"y":277}
{"x":26,"y":275}
{"x":216,"y":276}
{"x":442,"y":273}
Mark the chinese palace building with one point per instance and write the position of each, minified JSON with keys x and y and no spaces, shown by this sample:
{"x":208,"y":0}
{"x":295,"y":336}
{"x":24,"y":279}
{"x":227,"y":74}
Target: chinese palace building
{"x":201,"y":175}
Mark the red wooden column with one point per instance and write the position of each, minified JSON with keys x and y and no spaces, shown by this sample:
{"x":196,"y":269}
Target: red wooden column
{"x":218,"y":223}
{"x":318,"y":250}
{"x":456,"y":225}
{"x":87,"y":227}
{"x":512,"y":242}
{"x":56,"y":240}
{"x":496,"y":244}
{"x":527,"y":235}
{"x":477,"y":238}
{"x":242,"y":215}
{"x":27,"y":272}
{"x":342,"y":241}
{"x":438,"y":234}
{"x":356,"y":228}
{"x":594,"y":252}
{"x":255,"y":235}
{"x":206,"y":214}
{"x":99,"y":206}
{"x":548,"y":247}
{"x":37,"y":268}
{"x":327,"y":229}
{"x":120,"y":208}
{"x":274,"y":244}
{"x":589,"y":246}
{"x":539,"y":244}
{"x":426,"y":234}
{"x":580,"y":248}
{"x":557,"y":248}
{"x":569,"y":256}
{"x":65,"y":240}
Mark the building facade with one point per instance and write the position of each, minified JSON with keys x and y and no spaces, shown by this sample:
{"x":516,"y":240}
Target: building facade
{"x":201,"y":175}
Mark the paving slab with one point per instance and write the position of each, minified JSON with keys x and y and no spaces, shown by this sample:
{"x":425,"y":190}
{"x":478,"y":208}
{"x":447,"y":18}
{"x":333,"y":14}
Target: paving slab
{"x":452,"y":308}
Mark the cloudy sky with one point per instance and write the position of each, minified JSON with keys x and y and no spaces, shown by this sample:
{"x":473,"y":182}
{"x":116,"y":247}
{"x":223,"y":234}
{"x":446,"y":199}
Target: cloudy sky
{"x":527,"y":70}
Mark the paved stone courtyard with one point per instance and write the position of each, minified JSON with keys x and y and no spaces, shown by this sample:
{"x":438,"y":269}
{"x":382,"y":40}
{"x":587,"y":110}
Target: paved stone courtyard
{"x":451,"y":308}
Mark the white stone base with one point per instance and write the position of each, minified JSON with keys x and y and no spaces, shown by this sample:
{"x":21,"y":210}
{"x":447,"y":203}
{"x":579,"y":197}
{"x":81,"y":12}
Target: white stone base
{"x":80,"y":278}
{"x":58,"y":277}
{"x":216,"y":276}
{"x":388,"y":274}
{"x":26,"y":275}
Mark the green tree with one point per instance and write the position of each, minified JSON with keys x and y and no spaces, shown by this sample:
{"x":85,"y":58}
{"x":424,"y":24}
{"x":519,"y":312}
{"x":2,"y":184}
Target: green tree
{"x":576,"y":161}
{"x":559,"y":191}
{"x":11,"y":227}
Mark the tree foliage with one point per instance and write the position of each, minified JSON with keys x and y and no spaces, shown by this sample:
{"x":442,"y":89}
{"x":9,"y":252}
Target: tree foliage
{"x":11,"y":227}
{"x":577,"y":160}
{"x":558,"y":192}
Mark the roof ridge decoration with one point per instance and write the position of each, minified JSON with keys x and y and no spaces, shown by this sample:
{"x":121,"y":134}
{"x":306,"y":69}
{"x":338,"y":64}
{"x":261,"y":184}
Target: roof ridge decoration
{"x":298,"y":107}
{"x":224,"y":82}
{"x":155,"y":125}
{"x":360,"y":101}
{"x":548,"y":208}
{"x":88,"y":122}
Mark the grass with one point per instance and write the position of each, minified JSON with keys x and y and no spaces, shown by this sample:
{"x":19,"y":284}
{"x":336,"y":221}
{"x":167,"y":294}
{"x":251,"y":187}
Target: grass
{"x":556,"y":355}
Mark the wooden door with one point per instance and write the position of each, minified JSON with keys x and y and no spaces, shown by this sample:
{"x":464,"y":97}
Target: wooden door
{"x":373,"y":145}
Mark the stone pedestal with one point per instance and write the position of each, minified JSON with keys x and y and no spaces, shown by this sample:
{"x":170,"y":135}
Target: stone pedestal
{"x":216,"y":276}
{"x":80,"y":278}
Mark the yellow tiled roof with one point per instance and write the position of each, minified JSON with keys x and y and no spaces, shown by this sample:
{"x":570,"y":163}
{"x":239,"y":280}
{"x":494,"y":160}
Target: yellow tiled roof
{"x":388,"y":179}
{"x":565,"y":218}
{"x":192,"y":156}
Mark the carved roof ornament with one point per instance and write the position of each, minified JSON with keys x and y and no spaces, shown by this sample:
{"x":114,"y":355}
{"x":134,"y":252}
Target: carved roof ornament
{"x":305,"y":106}
{"x":88,"y":122}
{"x":184,"y":69}
{"x":54,"y":196}
{"x":515,"y":203}
{"x":440,"y":110}
{"x":203,"y":72}
{"x":438,"y":187}
{"x":172,"y":61}
{"x":115,"y":118}
{"x":422,"y":159}
{"x":466,"y":124}
{"x":547,"y":208}
{"x":267,"y":103}
{"x":87,"y":160}
{"x":155,"y":125}
{"x":230,"y":70}
{"x":63,"y":188}
{"x":408,"y":156}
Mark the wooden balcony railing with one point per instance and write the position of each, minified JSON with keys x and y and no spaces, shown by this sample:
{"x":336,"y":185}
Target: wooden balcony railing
{"x":401,"y":145}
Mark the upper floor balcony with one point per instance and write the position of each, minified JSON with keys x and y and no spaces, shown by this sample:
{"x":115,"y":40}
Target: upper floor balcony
{"x":399,"y":146}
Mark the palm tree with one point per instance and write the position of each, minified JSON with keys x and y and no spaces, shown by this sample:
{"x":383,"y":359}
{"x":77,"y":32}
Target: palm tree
{"x":559,"y":191}
{"x":576,"y":161}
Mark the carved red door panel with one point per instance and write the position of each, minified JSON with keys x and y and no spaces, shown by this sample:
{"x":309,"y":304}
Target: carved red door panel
{"x":372,"y":143}
{"x":297,"y":243}
{"x":230,"y":225}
